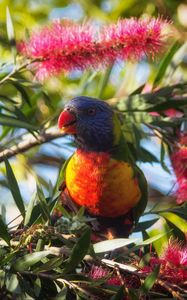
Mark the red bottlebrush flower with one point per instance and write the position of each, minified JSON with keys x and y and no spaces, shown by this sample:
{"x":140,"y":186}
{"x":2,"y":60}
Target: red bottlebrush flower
{"x":173,"y":263}
{"x":66,"y":46}
{"x":183,"y":139}
{"x":173,"y":113}
{"x":99,"y":272}
{"x":179,"y":162}
{"x":175,"y":254}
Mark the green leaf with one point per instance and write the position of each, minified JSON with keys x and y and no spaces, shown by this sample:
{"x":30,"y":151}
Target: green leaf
{"x":176,"y":220}
{"x":165,"y":63}
{"x":148,"y":241}
{"x":162,"y":157}
{"x":145,"y":225}
{"x":43,"y":205}
{"x":62,"y":294}
{"x":80,"y":213}
{"x":28,"y":260}
{"x":111,"y":245}
{"x":4,"y":234}
{"x":14,"y":188}
{"x":8,"y":258}
{"x":181,"y":211}
{"x":3,"y":212}
{"x":37,"y":287}
{"x":162,"y":241}
{"x":13,"y":122}
{"x":138,"y":90}
{"x":22,"y":91}
{"x":119,"y":295}
{"x":150,"y":280}
{"x":61,"y":175}
{"x":103,"y":81}
{"x":78,"y":252}
{"x":11,"y":33}
{"x":152,"y":239}
{"x":50,"y":265}
{"x":29,"y":209}
{"x":12,"y":284}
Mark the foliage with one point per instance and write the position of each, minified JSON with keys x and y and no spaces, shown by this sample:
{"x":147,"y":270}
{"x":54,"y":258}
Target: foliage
{"x":41,"y":259}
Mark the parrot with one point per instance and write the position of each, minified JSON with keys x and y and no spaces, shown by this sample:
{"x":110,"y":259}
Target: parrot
{"x":101,"y":175}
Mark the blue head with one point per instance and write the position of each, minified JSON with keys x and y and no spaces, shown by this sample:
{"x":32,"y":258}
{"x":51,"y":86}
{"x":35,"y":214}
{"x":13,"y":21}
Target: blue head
{"x":91,"y":122}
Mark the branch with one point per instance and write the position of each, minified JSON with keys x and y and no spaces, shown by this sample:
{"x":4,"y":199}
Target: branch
{"x":30,"y":142}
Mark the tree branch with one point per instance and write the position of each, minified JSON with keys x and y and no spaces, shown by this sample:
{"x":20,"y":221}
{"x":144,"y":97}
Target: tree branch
{"x":30,"y":142}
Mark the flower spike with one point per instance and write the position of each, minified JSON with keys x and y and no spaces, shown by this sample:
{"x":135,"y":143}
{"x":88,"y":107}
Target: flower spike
{"x":67,"y":46}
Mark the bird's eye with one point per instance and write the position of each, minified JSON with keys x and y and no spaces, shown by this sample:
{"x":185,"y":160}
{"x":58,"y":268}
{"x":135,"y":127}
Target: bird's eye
{"x":91,"y":111}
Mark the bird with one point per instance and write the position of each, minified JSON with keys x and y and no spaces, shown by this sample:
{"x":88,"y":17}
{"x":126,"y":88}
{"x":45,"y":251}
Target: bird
{"x":101,"y":175}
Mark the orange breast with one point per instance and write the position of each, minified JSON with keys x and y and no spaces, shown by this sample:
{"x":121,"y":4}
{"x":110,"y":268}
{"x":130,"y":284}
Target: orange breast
{"x":105,"y":186}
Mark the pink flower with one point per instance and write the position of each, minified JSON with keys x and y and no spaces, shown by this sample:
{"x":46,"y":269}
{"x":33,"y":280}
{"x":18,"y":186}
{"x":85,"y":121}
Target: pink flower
{"x":175,"y":255}
{"x":67,"y":46}
{"x":179,"y":162}
{"x":98,"y":272}
{"x":173,"y":263}
{"x":173,"y":113}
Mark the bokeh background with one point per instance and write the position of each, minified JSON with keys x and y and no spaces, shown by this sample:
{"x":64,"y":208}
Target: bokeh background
{"x":42,"y":163}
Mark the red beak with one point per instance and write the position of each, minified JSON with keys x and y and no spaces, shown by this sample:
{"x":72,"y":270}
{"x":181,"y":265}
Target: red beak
{"x":67,"y":122}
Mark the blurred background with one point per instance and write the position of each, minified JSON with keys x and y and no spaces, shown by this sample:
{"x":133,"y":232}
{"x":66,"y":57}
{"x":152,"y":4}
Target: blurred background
{"x":42,"y":103}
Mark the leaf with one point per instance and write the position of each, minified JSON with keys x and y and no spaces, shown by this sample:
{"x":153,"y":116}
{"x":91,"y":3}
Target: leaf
{"x":61,"y":175}
{"x":162,"y":156}
{"x":13,"y":122}
{"x":103,"y":81}
{"x":150,"y":280}
{"x":12,"y":284}
{"x":163,"y":241}
{"x":35,"y":215}
{"x":119,"y":295}
{"x":111,"y":245}
{"x":11,"y":33}
{"x":176,"y":220}
{"x":14,"y":188}
{"x":80,"y":213}
{"x":8,"y":258}
{"x":4,"y":234}
{"x":37,"y":287}
{"x":152,"y":239}
{"x":181,"y":211}
{"x":28,"y":260}
{"x":62,"y":294}
{"x":148,"y":241}
{"x":138,"y":90}
{"x":145,"y":225}
{"x":50,"y":265}
{"x":78,"y":252}
{"x":3,"y":213}
{"x":165,"y":63}
{"x":29,"y":209}
{"x":22,"y":91}
{"x":43,"y":204}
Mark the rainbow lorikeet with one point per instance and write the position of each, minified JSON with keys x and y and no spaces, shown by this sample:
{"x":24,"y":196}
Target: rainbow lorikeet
{"x":101,"y":175}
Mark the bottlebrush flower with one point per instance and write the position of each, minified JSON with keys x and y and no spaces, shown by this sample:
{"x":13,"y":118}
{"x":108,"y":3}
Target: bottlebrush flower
{"x":67,"y":46}
{"x":98,"y":272}
{"x":179,"y":163}
{"x":130,"y":280}
{"x":173,"y":263}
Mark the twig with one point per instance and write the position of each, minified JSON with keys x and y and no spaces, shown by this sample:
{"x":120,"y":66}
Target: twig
{"x":57,"y":251}
{"x":17,"y":69}
{"x":165,"y":285}
{"x":30,"y":142}
{"x":114,"y":264}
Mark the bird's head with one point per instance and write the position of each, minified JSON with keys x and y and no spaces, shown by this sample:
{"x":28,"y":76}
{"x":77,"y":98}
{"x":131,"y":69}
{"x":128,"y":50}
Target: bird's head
{"x":91,"y":121}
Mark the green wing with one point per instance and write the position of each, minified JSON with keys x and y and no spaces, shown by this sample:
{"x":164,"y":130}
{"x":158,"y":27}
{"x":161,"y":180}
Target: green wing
{"x":123,"y":153}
